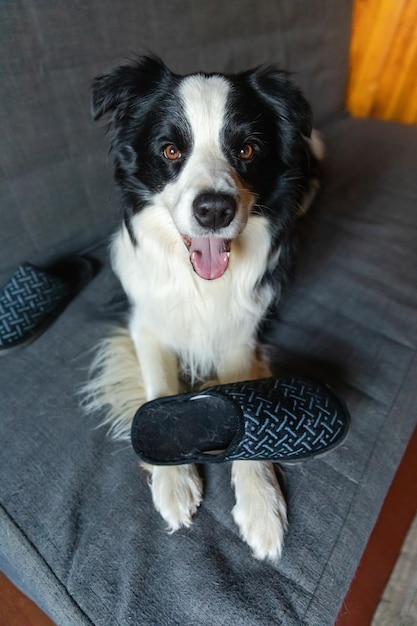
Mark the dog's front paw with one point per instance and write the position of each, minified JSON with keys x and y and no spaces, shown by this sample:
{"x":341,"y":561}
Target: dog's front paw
{"x":260,"y":511}
{"x":176,"y":493}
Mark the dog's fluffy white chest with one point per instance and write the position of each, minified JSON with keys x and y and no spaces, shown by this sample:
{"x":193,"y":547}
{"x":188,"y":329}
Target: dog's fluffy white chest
{"x":199,"y":320}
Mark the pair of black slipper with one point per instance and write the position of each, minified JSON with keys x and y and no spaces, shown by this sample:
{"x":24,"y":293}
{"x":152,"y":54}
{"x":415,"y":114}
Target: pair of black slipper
{"x":270,"y":419}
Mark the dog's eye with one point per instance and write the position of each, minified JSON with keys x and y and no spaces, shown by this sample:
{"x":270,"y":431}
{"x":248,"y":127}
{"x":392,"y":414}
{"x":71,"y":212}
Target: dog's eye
{"x":172,"y":153}
{"x":246,"y":152}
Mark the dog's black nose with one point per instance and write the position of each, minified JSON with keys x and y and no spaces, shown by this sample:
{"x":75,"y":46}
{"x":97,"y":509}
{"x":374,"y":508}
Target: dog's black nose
{"x":214,"y":210}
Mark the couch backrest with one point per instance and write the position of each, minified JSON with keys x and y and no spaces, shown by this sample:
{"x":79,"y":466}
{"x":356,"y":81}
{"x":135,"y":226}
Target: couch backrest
{"x":55,"y":190}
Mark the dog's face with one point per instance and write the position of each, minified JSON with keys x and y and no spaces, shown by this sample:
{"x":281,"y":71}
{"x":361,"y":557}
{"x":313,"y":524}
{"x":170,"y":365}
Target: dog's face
{"x":212,"y":149}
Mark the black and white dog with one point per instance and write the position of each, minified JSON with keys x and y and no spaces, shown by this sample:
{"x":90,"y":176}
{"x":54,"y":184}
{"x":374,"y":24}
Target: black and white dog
{"x":213,"y":170}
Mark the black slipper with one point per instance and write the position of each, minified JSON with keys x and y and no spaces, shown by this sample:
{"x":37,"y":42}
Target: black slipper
{"x":271,"y":419}
{"x":34,"y":297}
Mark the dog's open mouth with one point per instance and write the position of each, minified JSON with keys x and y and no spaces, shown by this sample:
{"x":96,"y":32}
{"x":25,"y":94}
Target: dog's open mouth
{"x":209,"y":256}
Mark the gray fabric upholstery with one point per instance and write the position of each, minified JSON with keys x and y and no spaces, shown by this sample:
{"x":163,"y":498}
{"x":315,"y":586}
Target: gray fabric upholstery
{"x":78,"y":531}
{"x":55,"y":188}
{"x":81,"y":508}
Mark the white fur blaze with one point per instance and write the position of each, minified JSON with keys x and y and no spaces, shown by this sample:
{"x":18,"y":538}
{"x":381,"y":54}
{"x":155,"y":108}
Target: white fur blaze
{"x":206,"y":167}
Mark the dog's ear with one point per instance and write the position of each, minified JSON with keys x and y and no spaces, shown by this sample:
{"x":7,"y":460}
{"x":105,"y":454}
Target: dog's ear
{"x":286,"y":100}
{"x":115,"y":90}
{"x":275,"y":86}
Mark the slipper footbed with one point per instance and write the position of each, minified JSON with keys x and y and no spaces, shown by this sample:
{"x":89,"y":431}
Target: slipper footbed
{"x":176,"y":427}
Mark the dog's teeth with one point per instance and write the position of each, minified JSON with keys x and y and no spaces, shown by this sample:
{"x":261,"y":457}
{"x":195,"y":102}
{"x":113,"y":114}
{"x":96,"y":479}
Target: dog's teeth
{"x":186,"y":240}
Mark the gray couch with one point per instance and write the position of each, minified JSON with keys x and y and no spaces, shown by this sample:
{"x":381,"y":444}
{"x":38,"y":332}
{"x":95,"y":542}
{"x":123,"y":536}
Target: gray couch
{"x":78,"y":532}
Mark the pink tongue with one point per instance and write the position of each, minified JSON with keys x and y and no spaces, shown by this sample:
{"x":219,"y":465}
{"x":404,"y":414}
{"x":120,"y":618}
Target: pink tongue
{"x":209,"y":256}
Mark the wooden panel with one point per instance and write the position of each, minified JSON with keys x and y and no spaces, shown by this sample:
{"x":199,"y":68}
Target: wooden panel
{"x":399,"y":601}
{"x":16,"y":609}
{"x":384,"y":545}
{"x":383,"y":60}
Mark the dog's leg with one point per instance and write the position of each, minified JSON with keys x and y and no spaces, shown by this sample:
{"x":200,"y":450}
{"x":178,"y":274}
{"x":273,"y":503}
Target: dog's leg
{"x":260,"y":510}
{"x":176,"y":493}
{"x":158,"y":365}
{"x":176,"y":490}
{"x":243,"y":364}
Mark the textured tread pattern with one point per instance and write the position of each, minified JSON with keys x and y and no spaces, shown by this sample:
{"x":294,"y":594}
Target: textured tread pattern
{"x":286,"y":418}
{"x":26,"y":300}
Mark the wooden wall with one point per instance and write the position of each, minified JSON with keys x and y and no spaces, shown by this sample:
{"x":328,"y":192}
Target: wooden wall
{"x":383,"y":75}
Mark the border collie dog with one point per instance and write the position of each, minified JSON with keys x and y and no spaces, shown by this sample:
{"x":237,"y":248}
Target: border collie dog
{"x":213,"y":170}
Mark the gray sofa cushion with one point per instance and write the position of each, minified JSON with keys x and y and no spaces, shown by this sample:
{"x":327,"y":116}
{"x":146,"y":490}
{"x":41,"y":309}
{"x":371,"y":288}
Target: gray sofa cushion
{"x":77,"y":520}
{"x":55,"y":189}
